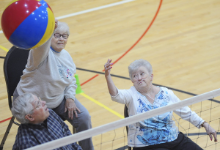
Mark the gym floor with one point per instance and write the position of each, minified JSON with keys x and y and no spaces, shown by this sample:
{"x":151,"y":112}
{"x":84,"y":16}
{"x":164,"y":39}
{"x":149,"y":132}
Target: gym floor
{"x":179,"y":38}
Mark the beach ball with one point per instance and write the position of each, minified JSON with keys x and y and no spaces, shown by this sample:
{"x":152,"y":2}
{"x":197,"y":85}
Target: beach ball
{"x":28,"y":24}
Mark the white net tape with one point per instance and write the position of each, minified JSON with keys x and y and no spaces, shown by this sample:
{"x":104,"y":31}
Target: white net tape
{"x":126,"y":121}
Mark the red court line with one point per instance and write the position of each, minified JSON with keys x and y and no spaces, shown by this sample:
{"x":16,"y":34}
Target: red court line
{"x":158,"y":9}
{"x":89,"y":79}
{"x":5,"y":120}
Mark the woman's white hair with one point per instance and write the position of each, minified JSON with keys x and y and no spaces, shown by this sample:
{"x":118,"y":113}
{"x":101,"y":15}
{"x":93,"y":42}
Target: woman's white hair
{"x":22,"y":106}
{"x":62,"y":26}
{"x":138,"y":63}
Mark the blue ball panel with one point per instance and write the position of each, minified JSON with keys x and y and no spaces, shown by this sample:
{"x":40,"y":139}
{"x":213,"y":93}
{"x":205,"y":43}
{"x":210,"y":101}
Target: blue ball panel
{"x":43,"y":3}
{"x":31,"y":30}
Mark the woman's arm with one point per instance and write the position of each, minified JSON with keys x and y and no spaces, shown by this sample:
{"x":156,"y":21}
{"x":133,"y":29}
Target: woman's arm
{"x":70,"y":90}
{"x":186,"y":114}
{"x":39,"y":54}
{"x":111,"y":86}
{"x":70,"y":99}
{"x":210,"y":131}
{"x":120,"y":96}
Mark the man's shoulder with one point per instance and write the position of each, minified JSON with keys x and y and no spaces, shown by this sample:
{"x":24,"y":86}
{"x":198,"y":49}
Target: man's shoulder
{"x":25,"y":131}
{"x":23,"y":137}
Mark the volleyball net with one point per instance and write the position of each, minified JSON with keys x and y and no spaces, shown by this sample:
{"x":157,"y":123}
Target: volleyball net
{"x":114,"y":134}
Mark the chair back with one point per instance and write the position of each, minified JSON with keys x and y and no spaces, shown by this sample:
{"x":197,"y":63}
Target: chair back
{"x":14,"y":64}
{"x":126,"y":112}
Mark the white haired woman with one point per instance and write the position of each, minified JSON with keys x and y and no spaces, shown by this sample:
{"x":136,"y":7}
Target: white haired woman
{"x":49,"y":73}
{"x":159,"y":132}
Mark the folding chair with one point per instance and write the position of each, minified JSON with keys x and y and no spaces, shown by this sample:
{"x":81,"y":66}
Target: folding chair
{"x":14,"y":64}
{"x":126,"y":115}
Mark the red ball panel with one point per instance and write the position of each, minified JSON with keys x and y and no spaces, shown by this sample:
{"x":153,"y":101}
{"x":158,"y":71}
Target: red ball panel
{"x":16,"y":13}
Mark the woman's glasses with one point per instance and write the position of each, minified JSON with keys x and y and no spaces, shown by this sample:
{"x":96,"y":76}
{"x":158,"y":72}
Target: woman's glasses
{"x":57,"y":35}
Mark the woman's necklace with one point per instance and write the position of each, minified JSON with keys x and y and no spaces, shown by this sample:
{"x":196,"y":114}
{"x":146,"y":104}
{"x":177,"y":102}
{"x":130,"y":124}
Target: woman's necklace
{"x":150,"y":97}
{"x":151,"y":89}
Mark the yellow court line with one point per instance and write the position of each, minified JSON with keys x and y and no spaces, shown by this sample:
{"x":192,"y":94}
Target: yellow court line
{"x":100,"y":104}
{"x":5,"y":49}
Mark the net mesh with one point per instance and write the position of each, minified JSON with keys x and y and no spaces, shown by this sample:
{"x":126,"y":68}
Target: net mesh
{"x":208,"y":110}
{"x":114,"y":135}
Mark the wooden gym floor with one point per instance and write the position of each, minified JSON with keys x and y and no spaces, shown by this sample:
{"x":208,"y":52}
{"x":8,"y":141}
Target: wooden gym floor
{"x":180,"y":38}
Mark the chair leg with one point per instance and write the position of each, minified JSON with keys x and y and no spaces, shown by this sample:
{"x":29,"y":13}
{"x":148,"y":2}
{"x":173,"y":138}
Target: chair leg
{"x":7,"y":132}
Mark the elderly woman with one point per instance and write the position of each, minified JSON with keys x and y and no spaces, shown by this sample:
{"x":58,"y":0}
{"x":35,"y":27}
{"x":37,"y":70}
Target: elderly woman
{"x":159,"y":132}
{"x":49,"y":73}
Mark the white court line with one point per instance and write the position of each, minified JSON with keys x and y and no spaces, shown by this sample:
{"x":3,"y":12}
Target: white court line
{"x":92,"y":9}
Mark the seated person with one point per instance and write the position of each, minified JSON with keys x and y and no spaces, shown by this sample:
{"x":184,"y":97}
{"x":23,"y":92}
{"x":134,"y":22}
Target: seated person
{"x":53,"y":69}
{"x":158,"y":132}
{"x":38,"y":123}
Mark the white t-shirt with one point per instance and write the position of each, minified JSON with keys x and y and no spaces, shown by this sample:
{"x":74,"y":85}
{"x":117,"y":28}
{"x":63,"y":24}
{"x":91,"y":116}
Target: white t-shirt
{"x":158,"y":129}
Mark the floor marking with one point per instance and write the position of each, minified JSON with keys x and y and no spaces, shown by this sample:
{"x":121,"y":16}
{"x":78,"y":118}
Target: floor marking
{"x":121,"y":56}
{"x":92,"y":9}
{"x":5,"y":49}
{"x":152,"y":21}
{"x":102,"y":105}
{"x":5,"y":120}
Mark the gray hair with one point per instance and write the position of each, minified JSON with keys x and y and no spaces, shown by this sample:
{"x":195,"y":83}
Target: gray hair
{"x":138,"y":63}
{"x":22,"y":106}
{"x":62,"y":26}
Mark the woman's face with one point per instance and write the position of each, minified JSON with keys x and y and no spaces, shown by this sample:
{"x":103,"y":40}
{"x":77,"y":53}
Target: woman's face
{"x":141,"y":78}
{"x":59,"y":40}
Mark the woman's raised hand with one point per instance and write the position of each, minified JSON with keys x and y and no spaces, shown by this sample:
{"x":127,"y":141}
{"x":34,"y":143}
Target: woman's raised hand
{"x":108,"y":67}
{"x":111,"y":86}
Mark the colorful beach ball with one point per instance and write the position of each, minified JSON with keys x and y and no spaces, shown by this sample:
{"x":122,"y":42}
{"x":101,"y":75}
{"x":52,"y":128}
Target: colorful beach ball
{"x":28,"y":24}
